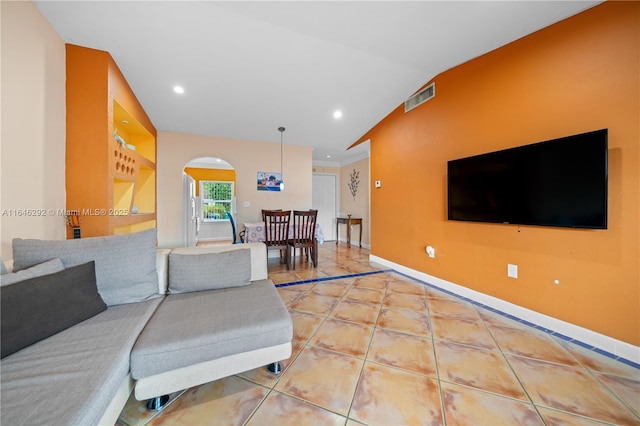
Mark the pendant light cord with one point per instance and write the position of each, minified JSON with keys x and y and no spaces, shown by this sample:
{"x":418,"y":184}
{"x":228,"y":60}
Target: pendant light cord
{"x":281,"y":130}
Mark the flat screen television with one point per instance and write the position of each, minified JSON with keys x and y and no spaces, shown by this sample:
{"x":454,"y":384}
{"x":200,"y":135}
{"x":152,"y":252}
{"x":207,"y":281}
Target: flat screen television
{"x":560,"y":182}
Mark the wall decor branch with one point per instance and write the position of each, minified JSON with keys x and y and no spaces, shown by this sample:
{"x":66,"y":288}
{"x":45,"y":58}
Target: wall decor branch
{"x":353,"y":184}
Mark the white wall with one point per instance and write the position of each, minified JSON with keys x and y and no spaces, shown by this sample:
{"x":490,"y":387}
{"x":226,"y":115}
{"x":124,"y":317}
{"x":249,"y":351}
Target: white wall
{"x":358,"y":206}
{"x":175,"y":150}
{"x":32,"y":141}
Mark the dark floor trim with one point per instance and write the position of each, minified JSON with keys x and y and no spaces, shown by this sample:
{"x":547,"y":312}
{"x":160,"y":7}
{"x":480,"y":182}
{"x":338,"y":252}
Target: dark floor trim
{"x":481,"y":305}
{"x":339,"y":277}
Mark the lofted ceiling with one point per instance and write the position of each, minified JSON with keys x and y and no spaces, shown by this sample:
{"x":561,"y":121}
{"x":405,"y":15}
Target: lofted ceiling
{"x":249,"y":67}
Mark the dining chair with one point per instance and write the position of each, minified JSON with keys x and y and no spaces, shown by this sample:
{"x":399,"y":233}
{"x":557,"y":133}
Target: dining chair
{"x":227,"y":215}
{"x":276,"y":231}
{"x":304,"y":230}
{"x":265,"y":211}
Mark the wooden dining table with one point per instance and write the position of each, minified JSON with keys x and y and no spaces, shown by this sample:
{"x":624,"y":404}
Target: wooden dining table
{"x":255,"y":233}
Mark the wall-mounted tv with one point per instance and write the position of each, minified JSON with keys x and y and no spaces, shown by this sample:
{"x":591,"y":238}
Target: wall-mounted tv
{"x":560,"y":182}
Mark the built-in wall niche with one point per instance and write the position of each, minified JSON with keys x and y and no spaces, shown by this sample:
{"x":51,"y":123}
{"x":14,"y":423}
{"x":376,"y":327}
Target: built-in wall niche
{"x":144,"y":197}
{"x":134,"y":161}
{"x":134,"y":135}
{"x":122,"y":196}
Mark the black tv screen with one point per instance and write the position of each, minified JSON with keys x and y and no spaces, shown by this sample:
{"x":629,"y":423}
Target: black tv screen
{"x":560,"y":182}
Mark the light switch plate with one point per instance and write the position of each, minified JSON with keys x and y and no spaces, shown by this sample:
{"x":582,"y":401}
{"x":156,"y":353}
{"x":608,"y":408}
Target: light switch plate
{"x":378,"y":184}
{"x":512,"y":270}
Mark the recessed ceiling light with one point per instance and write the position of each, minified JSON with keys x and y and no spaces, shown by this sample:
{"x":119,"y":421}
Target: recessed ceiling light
{"x":337,"y":114}
{"x":328,"y":156}
{"x":178,"y":89}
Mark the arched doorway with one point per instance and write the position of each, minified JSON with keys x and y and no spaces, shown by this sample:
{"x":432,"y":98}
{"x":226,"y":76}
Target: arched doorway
{"x":209,"y":200}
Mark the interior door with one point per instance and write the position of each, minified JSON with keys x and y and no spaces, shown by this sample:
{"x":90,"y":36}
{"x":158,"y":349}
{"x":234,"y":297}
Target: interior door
{"x":325,"y":190}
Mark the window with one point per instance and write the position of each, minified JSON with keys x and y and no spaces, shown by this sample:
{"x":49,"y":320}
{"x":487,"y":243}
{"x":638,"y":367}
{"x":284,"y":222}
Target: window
{"x":216,"y":199}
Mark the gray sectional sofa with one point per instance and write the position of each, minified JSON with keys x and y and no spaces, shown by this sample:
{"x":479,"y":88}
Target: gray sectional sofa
{"x":114,"y":314}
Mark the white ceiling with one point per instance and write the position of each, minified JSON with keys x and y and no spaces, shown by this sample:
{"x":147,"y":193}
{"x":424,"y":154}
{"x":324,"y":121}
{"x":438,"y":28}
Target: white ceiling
{"x":249,"y":67}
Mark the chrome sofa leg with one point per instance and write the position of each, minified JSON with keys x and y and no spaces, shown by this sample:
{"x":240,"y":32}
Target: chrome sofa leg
{"x":275,"y":368}
{"x":157,"y":403}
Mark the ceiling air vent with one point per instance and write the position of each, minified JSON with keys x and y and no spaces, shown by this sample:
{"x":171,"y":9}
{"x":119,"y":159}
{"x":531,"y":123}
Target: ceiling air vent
{"x":421,"y":97}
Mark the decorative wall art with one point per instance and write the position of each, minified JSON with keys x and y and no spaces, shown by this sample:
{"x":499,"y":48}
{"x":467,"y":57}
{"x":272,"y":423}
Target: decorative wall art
{"x":354,"y":182}
{"x":269,"y":181}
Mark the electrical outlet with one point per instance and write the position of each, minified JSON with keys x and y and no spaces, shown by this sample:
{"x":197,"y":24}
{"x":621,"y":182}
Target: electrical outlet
{"x":246,"y":204}
{"x":431,"y":252}
{"x":378,"y":184}
{"x":512,"y":270}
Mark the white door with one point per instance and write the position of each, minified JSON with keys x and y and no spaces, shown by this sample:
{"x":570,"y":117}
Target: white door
{"x":191,"y":211}
{"x":325,"y":189}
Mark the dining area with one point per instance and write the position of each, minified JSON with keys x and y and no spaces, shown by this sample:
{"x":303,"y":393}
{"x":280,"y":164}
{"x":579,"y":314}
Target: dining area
{"x":287,"y":232}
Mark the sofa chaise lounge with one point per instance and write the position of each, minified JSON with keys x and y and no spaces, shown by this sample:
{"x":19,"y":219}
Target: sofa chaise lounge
{"x":170,"y":319}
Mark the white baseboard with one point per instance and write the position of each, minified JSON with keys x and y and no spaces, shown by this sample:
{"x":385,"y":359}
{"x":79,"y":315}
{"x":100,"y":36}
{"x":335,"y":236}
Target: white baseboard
{"x":608,"y":344}
{"x":344,"y":240}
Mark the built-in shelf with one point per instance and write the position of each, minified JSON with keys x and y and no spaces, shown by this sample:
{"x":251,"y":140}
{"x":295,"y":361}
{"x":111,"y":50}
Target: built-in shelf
{"x":135,"y":227}
{"x":133,"y":219}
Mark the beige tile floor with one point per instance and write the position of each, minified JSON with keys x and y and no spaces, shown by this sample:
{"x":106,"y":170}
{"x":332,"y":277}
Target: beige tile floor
{"x":379,"y":348}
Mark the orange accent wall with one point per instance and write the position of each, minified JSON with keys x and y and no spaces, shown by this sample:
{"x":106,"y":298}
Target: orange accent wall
{"x":93,"y":83}
{"x":210,"y":174}
{"x":87,"y":120}
{"x":578,"y":75}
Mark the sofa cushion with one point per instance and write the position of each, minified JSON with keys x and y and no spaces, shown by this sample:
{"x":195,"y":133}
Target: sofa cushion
{"x":44,"y":268}
{"x":258,"y":255}
{"x":72,"y":377}
{"x":209,"y":271}
{"x":125,"y":264}
{"x":33,"y":310}
{"x":190,"y":328}
{"x":3,"y":268}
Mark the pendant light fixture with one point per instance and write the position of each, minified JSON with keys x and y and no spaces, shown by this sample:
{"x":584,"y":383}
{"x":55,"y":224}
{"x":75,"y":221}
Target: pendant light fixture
{"x":281,"y":130}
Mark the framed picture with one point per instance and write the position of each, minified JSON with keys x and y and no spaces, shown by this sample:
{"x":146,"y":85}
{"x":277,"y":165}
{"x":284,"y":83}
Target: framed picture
{"x":269,"y":181}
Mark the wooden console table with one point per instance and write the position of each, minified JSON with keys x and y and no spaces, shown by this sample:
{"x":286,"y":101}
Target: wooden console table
{"x":348,"y":221}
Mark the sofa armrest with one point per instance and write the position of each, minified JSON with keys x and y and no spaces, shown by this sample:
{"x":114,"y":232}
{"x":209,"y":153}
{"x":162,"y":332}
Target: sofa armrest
{"x":258,"y":256}
{"x":162,"y":266}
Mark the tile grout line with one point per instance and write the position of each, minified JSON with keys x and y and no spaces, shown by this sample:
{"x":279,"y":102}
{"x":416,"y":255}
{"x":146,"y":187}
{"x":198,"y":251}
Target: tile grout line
{"x":506,"y":360}
{"x":366,"y":355}
{"x":308,"y":342}
{"x":257,"y":407}
{"x":437,"y":364}
{"x":610,"y":391}
{"x":342,"y":298}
